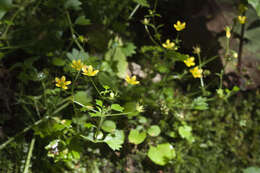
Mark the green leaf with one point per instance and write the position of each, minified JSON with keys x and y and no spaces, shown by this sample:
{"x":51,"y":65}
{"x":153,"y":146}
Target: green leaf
{"x":72,"y":4}
{"x":74,"y":155}
{"x":131,"y":107}
{"x":200,"y":103}
{"x":252,"y":170}
{"x":117,"y":107}
{"x":129,"y":49}
{"x":185,"y":132}
{"x":136,"y":137}
{"x":154,"y":130}
{"x":143,"y":3}
{"x":81,"y":20}
{"x":161,"y":154}
{"x":176,"y":56}
{"x":115,"y":141}
{"x":256,"y":5}
{"x":83,"y":98}
{"x":122,"y":63}
{"x":99,"y":102}
{"x":4,"y":6}
{"x":76,"y":55}
{"x":58,"y":62}
{"x":109,"y":126}
{"x":116,"y":54}
{"x":96,"y":114}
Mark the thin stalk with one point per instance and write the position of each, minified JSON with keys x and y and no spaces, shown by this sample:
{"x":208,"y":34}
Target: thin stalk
{"x":73,"y":85}
{"x":99,"y":126}
{"x":29,"y":156}
{"x":201,"y":78}
{"x":73,"y":32}
{"x":240,"y":50}
{"x":23,"y":131}
{"x":150,"y":36}
{"x":3,"y":145}
{"x":37,"y":109}
{"x":134,"y":11}
{"x":221,"y":79}
{"x":208,"y":61}
{"x":124,"y":113}
{"x":72,"y":91}
{"x":21,"y":8}
{"x":85,"y":106}
{"x":44,"y":95}
{"x":95,"y":86}
{"x":227,"y":47}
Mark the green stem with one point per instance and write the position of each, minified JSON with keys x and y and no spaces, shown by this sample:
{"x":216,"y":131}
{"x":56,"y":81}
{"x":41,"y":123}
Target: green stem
{"x":73,"y":32}
{"x":201,"y":78}
{"x":227,"y":47}
{"x":150,"y":36}
{"x":29,"y":156}
{"x":221,"y":79}
{"x":44,"y":95}
{"x":95,"y":86}
{"x":99,"y":126}
{"x":73,"y":85}
{"x":23,"y":131}
{"x":240,"y":50}
{"x":84,"y":106}
{"x":134,"y":11}
{"x":12,"y":19}
{"x":124,"y":113}
{"x":31,"y":126}
{"x":72,"y":91}
{"x":208,"y":61}
{"x":37,"y":109}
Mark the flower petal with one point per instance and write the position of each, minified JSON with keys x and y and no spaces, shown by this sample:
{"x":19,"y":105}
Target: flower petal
{"x":63,"y":79}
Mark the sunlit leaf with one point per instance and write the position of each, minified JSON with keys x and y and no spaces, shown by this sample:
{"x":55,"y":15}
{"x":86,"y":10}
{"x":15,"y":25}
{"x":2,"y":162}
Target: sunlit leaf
{"x":115,"y":141}
{"x":154,"y":130}
{"x":161,"y":154}
{"x":136,"y":137}
{"x":117,"y":107}
{"x":81,"y":20}
{"x":109,"y":126}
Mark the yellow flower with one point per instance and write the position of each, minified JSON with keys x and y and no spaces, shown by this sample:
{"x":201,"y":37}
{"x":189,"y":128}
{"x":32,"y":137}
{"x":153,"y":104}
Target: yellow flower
{"x":196,"y":72}
{"x":168,"y":44}
{"x":89,"y":71}
{"x":77,"y":64}
{"x":131,"y":80}
{"x":228,"y":33}
{"x":61,"y":82}
{"x":242,"y":19}
{"x":189,"y":61}
{"x":179,"y":26}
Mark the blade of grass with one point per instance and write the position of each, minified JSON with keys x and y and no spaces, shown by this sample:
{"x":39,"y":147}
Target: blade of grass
{"x":28,"y":160}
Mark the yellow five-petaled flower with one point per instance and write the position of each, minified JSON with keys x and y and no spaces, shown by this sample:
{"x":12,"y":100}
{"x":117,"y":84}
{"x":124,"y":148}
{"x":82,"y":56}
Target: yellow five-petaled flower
{"x":189,"y":61}
{"x":168,"y":44}
{"x":77,"y":64}
{"x":89,"y":71}
{"x":131,"y":80}
{"x":62,"y":83}
{"x":196,"y":72}
{"x":242,"y":19}
{"x":179,"y":26}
